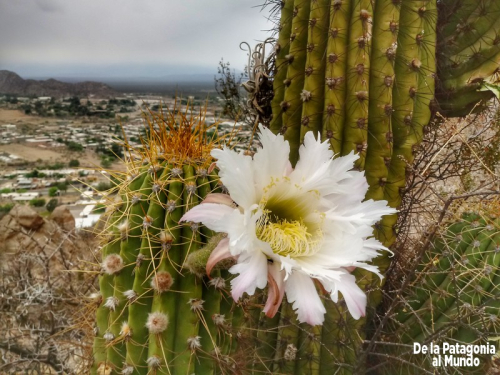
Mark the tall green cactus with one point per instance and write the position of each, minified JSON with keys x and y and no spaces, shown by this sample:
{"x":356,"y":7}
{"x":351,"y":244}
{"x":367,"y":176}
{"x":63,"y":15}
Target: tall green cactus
{"x":361,"y":74}
{"x":157,"y":313}
{"x":454,"y":295}
{"x":364,"y":78}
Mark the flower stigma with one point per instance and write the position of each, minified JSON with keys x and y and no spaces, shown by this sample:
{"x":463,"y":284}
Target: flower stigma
{"x":285,"y":209}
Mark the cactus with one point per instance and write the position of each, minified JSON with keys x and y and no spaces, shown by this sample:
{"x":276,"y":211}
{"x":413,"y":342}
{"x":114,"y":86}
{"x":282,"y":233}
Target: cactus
{"x":347,"y":70}
{"x":454,"y":295}
{"x":468,"y":55}
{"x":157,"y":313}
{"x":362,"y":74}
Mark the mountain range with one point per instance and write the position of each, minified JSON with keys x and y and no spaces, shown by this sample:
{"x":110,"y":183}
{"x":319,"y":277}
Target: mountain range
{"x":12,"y":83}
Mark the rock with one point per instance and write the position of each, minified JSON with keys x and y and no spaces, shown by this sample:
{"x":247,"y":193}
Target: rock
{"x":26,"y":216}
{"x":63,"y":217}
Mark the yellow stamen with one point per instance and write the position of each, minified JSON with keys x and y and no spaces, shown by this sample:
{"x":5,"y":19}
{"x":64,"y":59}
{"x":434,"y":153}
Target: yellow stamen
{"x":287,"y":237}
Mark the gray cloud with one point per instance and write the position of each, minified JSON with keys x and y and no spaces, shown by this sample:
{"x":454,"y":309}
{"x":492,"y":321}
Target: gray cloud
{"x":48,"y":5}
{"x":130,"y":37}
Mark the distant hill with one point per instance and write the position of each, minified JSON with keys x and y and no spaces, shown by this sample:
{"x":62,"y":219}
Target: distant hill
{"x":11,"y":83}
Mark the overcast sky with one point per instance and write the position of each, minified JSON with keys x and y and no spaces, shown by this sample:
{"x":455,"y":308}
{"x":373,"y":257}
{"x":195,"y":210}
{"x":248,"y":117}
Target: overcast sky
{"x":126,"y":38}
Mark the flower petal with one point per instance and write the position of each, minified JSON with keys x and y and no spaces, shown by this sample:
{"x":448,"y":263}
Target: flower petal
{"x":313,"y":154}
{"x":236,"y":173}
{"x":271,"y":159}
{"x":252,"y":269}
{"x":276,"y":289}
{"x":354,"y":297}
{"x":219,"y":198}
{"x":212,"y":215}
{"x":300,"y":291}
{"x":220,"y":252}
{"x":313,"y":164}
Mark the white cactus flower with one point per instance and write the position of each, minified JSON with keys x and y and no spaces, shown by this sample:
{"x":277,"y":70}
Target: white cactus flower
{"x":293,"y":226}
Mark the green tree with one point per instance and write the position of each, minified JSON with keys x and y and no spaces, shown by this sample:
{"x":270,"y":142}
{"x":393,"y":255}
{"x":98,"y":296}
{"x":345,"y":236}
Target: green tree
{"x":37,"y":202}
{"x":117,"y":150}
{"x":74,"y":163}
{"x":51,"y":206}
{"x":34,"y":173}
{"x":63,"y":186}
{"x":103,"y":186}
{"x":105,"y":162}
{"x":73,"y":146}
{"x":53,"y":191}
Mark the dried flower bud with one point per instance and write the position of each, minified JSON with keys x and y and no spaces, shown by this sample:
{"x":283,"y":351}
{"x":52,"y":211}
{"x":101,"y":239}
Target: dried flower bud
{"x":131,"y":295}
{"x":290,"y":352}
{"x":104,"y":369}
{"x":111,"y":303}
{"x":162,"y":281}
{"x":196,"y":304}
{"x":176,"y":172}
{"x":217,"y":283}
{"x":112,"y":264}
{"x":127,"y":370}
{"x":154,"y":362}
{"x":125,"y":330}
{"x":157,"y":322}
{"x":194,"y":343}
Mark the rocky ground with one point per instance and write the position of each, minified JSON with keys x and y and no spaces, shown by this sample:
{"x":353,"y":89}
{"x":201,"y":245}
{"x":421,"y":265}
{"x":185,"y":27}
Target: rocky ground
{"x":45,"y":324}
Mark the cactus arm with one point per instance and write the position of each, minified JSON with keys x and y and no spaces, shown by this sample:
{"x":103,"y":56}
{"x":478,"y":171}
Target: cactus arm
{"x":129,"y":249}
{"x":464,"y":101}
{"x":267,"y":337}
{"x":435,"y":278}
{"x":212,"y":297}
{"x":187,"y":319}
{"x":454,"y":13}
{"x":106,"y":284}
{"x":408,"y":68}
{"x":441,"y":299}
{"x":382,"y":76}
{"x":309,"y":351}
{"x":330,"y":354}
{"x":140,"y":307}
{"x":292,"y":103}
{"x":358,"y":80}
{"x":312,"y":108}
{"x":335,"y":74}
{"x":446,"y":246}
{"x":288,"y":336}
{"x":478,"y":27}
{"x":282,"y":49}
{"x":161,"y":345}
{"x":480,"y":65}
{"x":468,"y":55}
{"x":463,"y":292}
